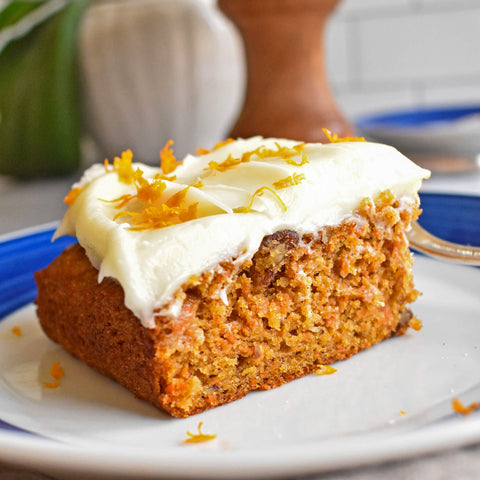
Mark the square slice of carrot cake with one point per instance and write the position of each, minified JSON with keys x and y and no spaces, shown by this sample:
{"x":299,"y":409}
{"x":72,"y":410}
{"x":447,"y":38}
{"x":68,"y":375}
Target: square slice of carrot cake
{"x":238,"y":269}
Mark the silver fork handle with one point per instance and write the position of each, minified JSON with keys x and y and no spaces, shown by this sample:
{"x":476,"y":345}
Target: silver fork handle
{"x":432,"y":246}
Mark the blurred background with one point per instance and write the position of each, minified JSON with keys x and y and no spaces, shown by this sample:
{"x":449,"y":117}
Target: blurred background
{"x":386,"y":55}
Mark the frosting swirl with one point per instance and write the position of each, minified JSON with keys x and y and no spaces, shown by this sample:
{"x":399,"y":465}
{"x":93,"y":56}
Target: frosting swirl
{"x":152,"y":232}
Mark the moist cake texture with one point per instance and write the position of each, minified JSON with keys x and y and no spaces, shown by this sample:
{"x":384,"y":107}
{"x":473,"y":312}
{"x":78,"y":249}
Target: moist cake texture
{"x":282,"y":292}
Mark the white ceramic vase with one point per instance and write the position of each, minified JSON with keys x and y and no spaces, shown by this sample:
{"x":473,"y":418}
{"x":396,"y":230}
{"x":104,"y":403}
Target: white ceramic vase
{"x":154,"y":70}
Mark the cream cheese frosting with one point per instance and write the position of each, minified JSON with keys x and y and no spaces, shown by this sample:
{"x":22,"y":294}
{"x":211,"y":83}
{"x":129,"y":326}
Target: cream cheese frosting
{"x":236,"y":198}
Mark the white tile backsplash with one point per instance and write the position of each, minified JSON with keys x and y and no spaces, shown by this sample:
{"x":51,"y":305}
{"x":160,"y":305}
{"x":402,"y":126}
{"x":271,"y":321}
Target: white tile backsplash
{"x":391,"y":54}
{"x":338,"y":59}
{"x":421,"y":46}
{"x":356,"y":103}
{"x":365,"y":7}
{"x":461,"y":93}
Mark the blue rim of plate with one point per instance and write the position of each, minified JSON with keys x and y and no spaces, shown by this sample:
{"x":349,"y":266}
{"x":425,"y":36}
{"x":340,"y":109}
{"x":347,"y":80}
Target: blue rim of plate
{"x":415,"y":118}
{"x":452,"y":217}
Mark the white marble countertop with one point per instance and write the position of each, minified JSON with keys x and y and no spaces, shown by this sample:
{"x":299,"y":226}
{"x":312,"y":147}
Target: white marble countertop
{"x":26,"y":204}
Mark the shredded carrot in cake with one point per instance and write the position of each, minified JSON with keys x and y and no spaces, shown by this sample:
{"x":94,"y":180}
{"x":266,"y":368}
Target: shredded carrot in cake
{"x":415,"y":323}
{"x":72,"y":196}
{"x":17,"y":331}
{"x":290,"y":181}
{"x":168,"y":162}
{"x":458,"y":407}
{"x":259,"y":193}
{"x":56,"y":371}
{"x":325,"y":370}
{"x":334,"y":138}
{"x":199,"y":437}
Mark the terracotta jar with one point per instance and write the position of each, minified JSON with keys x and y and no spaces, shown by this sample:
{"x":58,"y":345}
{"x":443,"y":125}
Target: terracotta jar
{"x":288,"y":94}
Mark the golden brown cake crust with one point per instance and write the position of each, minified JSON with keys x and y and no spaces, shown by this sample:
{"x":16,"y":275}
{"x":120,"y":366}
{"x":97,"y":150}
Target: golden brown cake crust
{"x":302,"y":301}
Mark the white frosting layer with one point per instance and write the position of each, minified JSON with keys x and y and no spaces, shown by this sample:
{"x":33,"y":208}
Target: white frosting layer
{"x":152,"y":264}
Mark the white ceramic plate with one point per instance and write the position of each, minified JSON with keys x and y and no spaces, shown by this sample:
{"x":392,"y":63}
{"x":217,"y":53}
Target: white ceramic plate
{"x":390,"y":402}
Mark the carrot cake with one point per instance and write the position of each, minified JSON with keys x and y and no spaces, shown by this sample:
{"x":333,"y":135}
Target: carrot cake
{"x":238,"y":269}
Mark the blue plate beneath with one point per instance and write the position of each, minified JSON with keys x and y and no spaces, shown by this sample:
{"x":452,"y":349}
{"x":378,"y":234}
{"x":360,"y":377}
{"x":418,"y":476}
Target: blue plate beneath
{"x":415,"y":118}
{"x":452,"y":217}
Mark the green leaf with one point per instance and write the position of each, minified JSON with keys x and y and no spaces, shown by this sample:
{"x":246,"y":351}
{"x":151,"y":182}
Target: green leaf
{"x":39,"y":98}
{"x":14,"y":11}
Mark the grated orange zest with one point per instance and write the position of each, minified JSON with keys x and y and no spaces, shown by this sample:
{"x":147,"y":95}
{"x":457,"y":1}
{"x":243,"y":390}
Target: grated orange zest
{"x":199,"y":437}
{"x":154,"y":217}
{"x":168,"y":162}
{"x":258,"y":193}
{"x":415,"y":323}
{"x":54,"y":384}
{"x":56,"y":371}
{"x":458,"y":407}
{"x":325,"y":370}
{"x":204,"y":151}
{"x":228,"y":163}
{"x":290,"y":181}
{"x":17,"y":331}
{"x":123,"y":166}
{"x":303,"y":161}
{"x":199,"y":184}
{"x":261,"y":152}
{"x":72,"y":196}
{"x":334,"y":138}
{"x":155,"y":213}
{"x":148,"y":192}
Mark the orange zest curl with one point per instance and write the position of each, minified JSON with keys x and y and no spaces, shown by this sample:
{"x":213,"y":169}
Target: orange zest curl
{"x":458,"y":407}
{"x":258,"y":193}
{"x":199,"y":437}
{"x":168,"y":162}
{"x":303,"y":161}
{"x":147,"y":192}
{"x":228,"y":163}
{"x":159,"y":215}
{"x":204,"y":151}
{"x":17,"y":331}
{"x":261,"y":152}
{"x":290,"y":181}
{"x":199,"y":184}
{"x":57,"y":374}
{"x":325,"y":370}
{"x":123,"y":166}
{"x":72,"y":196}
{"x":152,"y":211}
{"x":415,"y":323}
{"x":334,"y":138}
